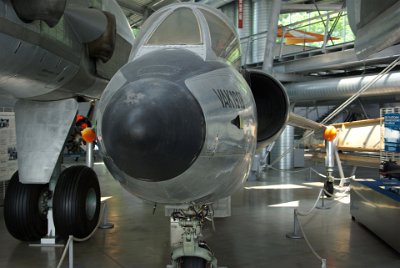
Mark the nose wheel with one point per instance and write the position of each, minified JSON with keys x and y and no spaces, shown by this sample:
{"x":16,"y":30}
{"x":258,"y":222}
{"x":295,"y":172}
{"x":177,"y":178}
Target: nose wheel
{"x":189,"y":251}
{"x":192,"y":262}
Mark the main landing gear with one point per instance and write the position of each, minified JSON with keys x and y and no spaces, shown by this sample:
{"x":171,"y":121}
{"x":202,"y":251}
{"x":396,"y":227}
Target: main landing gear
{"x":25,"y":209}
{"x":75,"y":203}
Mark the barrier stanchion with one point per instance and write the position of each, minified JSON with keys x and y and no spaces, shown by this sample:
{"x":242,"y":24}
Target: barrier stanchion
{"x":298,"y":231}
{"x":295,"y":233}
{"x":69,"y":246}
{"x":322,"y":206}
{"x":322,"y":197}
{"x":297,"y":227}
{"x":323,"y":262}
{"x":71,"y":253}
{"x":105,"y":224}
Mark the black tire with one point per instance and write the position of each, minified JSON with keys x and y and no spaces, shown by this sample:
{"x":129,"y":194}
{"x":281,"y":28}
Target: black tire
{"x":22,"y":215}
{"x":76,"y":202}
{"x":193,"y":262}
{"x":328,"y":186}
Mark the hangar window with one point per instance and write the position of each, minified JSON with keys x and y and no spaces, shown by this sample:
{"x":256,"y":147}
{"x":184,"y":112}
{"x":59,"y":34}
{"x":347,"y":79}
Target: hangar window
{"x":179,"y":28}
{"x":223,"y":39}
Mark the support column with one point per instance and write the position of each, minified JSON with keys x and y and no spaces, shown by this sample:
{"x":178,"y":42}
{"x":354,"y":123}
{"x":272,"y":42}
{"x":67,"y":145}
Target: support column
{"x":273,"y":17}
{"x":89,"y":154}
{"x":282,"y":153}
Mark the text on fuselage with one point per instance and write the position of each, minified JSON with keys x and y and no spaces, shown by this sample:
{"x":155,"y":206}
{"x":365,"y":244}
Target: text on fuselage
{"x":229,"y":98}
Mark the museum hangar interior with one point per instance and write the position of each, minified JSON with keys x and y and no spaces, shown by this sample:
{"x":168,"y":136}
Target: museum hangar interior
{"x":206,"y":133}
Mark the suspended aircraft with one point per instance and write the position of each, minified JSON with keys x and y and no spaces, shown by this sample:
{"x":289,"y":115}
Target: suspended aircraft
{"x":296,"y":36}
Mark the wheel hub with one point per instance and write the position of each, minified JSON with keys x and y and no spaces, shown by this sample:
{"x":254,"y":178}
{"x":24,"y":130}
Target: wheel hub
{"x":91,"y":204}
{"x":43,"y":202}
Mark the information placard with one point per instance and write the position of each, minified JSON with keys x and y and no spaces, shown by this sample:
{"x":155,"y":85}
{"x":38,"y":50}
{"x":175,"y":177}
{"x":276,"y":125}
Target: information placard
{"x":8,"y":149}
{"x":392,"y":132}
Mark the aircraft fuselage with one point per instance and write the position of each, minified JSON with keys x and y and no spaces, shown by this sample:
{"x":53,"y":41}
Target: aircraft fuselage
{"x":176,"y":129}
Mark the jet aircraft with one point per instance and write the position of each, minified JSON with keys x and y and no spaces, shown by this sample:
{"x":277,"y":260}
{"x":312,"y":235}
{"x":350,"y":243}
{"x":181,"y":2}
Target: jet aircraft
{"x":178,"y":121}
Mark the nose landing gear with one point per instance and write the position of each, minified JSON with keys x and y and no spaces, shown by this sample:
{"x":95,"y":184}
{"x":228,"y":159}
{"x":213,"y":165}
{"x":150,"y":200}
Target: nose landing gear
{"x":189,"y":251}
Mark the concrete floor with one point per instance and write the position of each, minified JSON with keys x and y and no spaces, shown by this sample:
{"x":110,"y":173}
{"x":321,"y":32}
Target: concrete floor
{"x":254,"y":236}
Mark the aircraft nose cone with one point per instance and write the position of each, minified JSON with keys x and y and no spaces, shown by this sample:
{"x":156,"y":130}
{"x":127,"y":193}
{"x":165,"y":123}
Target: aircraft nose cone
{"x":153,"y":129}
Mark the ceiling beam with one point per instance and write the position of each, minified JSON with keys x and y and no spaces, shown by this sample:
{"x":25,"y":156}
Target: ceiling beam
{"x":131,"y":5}
{"x":215,"y":3}
{"x":293,"y":5}
{"x":310,"y":7}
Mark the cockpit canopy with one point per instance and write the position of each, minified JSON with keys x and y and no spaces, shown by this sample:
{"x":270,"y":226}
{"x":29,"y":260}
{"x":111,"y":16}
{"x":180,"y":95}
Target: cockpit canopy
{"x":196,"y":27}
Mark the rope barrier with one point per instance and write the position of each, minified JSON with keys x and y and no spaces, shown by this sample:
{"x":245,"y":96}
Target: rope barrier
{"x":289,"y":171}
{"x":71,"y":238}
{"x":309,"y":169}
{"x":336,"y":179}
{"x":298,"y":224}
{"x":322,"y":260}
{"x":315,"y":204}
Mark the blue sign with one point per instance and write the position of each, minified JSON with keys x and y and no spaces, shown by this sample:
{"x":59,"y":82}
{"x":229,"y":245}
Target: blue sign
{"x":392,"y":132}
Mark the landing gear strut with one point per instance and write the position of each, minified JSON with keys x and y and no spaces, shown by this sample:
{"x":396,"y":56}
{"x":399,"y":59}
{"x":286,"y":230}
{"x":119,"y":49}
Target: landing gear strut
{"x":189,"y":251}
